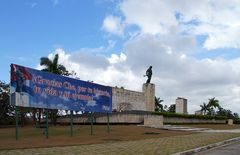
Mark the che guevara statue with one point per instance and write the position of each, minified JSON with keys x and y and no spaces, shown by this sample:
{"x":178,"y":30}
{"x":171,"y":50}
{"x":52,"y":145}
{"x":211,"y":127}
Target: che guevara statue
{"x":149,"y":74}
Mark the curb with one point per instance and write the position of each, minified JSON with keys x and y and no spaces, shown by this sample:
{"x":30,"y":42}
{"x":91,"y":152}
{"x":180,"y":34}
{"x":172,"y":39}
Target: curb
{"x":210,"y":146}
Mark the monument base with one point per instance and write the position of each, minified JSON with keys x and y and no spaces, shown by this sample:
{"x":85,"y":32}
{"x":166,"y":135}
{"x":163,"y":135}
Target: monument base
{"x":149,"y":93}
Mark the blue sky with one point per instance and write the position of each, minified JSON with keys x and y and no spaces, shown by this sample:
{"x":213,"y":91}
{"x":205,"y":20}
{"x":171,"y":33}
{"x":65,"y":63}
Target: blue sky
{"x":193,"y":46}
{"x":31,"y":29}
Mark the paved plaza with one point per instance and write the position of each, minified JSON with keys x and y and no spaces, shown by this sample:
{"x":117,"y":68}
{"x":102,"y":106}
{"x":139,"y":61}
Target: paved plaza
{"x":163,"y":146}
{"x":232,"y":149}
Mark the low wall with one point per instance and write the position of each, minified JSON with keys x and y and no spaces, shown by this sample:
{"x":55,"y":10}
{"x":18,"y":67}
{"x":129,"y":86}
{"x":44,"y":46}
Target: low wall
{"x":138,"y":118}
{"x":121,"y":118}
{"x":76,"y":120}
{"x":113,"y":118}
{"x":179,"y":120}
{"x":153,"y":120}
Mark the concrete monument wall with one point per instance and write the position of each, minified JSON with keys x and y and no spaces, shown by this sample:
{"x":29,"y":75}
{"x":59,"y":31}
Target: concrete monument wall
{"x":126,"y":100}
{"x":123,"y":99}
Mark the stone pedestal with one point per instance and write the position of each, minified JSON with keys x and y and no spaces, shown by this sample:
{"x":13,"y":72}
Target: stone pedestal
{"x":149,"y":94}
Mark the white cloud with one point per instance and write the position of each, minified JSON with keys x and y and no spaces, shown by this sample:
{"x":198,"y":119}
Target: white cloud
{"x":116,"y":59}
{"x":174,"y":74}
{"x":152,"y":17}
{"x":165,"y":39}
{"x":218,"y":20}
{"x":225,"y":39}
{"x":113,"y":25}
{"x":179,"y":75}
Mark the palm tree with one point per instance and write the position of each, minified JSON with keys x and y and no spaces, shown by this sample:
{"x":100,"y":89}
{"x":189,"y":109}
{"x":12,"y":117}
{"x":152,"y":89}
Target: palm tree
{"x":204,"y":108}
{"x":212,"y":104}
{"x":158,"y":105}
{"x":53,"y":67}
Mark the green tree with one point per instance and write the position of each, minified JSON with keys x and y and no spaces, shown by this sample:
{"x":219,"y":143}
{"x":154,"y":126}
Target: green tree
{"x":158,"y":105}
{"x":236,"y":116}
{"x":213,"y":108}
{"x":6,"y":109}
{"x":213,"y":104}
{"x":225,"y":112}
{"x":53,"y":67}
{"x":172,"y":108}
{"x":204,"y":108}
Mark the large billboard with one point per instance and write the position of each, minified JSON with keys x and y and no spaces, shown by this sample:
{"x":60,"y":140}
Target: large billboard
{"x":39,"y":89}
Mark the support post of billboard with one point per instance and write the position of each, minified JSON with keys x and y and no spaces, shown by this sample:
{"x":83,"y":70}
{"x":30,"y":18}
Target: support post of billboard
{"x":108,"y":127}
{"x":16,"y":113}
{"x":91,"y":123}
{"x":71,"y":128}
{"x":46,"y":124}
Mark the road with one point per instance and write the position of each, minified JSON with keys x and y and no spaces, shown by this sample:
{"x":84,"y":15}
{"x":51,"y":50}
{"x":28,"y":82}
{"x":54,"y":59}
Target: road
{"x":232,"y":149}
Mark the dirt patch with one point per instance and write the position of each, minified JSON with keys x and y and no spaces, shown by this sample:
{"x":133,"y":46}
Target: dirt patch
{"x":31,"y":137}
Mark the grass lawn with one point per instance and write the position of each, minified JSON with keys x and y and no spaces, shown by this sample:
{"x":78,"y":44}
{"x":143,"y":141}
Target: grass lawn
{"x":31,"y":137}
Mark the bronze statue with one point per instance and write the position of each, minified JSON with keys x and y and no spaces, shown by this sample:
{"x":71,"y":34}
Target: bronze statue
{"x":149,"y":74}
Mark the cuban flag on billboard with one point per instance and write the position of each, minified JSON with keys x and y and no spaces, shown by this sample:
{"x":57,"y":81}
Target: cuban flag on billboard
{"x":20,"y":85}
